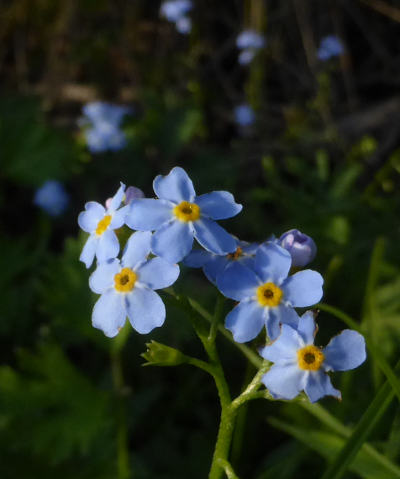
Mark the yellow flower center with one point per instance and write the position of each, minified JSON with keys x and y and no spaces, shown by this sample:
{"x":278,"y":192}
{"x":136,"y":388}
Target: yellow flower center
{"x":310,"y":358}
{"x":237,"y":254}
{"x":103,"y":224}
{"x":269,"y":294}
{"x":125,"y":280}
{"x":186,"y":211}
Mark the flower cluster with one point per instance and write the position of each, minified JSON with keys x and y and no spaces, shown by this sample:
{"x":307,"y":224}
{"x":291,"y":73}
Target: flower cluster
{"x":249,"y":42}
{"x":103,"y":121}
{"x":266,"y":280}
{"x":176,"y":11}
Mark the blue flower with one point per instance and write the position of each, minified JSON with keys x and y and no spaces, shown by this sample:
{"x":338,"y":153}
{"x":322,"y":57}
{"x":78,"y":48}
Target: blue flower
{"x":299,"y":365}
{"x":330,"y":47}
{"x":244,"y":115}
{"x":301,"y":247}
{"x":127,"y":288}
{"x":98,"y":112}
{"x":267,"y":295}
{"x":175,"y":11}
{"x":249,"y":41}
{"x":101,"y":223}
{"x":52,"y":197}
{"x":213,"y":265}
{"x":179,"y":215}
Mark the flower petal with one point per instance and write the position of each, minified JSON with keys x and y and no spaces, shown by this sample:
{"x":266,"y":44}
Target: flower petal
{"x":307,"y":327}
{"x":197,"y":258}
{"x":103,"y":277}
{"x":303,"y":288}
{"x":158,"y":273}
{"x":145,"y":310}
{"x":245,"y":321}
{"x":136,"y":249}
{"x":272,"y":262}
{"x":176,"y":186}
{"x":218,"y":205}
{"x":213,"y":237}
{"x":148,"y":214}
{"x":284,"y":349}
{"x":215,"y":266}
{"x":117,"y":199}
{"x":318,"y":385}
{"x":107,"y":247}
{"x":238,"y":282}
{"x":284,"y":381}
{"x":89,"y":251}
{"x":109,"y":313}
{"x":118,"y":218}
{"x":280,"y":315}
{"x":89,"y":219}
{"x":345,"y":351}
{"x":173,"y":241}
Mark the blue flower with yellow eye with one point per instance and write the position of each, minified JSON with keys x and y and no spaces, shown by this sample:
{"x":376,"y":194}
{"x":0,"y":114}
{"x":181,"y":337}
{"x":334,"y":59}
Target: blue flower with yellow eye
{"x":299,"y":365}
{"x":127,"y":288}
{"x":266,"y":294}
{"x":213,"y":265}
{"x":101,"y":223}
{"x":179,"y":215}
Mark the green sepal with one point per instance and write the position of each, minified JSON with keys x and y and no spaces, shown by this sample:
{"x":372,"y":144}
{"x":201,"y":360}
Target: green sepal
{"x":158,"y":354}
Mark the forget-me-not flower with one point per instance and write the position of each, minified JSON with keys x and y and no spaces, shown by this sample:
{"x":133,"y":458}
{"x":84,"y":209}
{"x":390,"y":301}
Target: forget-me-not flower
{"x":213,"y":265}
{"x":101,"y":223}
{"x":179,"y":215}
{"x":127,"y":288}
{"x":301,"y":247}
{"x":267,"y":295}
{"x":176,"y":11}
{"x":51,"y":197}
{"x":299,"y":365}
{"x":249,"y":42}
{"x":330,"y":47}
{"x":244,"y":115}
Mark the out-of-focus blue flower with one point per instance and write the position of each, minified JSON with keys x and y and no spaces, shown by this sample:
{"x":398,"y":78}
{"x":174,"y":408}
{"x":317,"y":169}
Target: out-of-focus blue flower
{"x":244,"y":115}
{"x":213,"y":265}
{"x":249,"y":41}
{"x":301,"y":247}
{"x":330,"y":47}
{"x":299,"y":365}
{"x":179,"y":215}
{"x":103,"y":121}
{"x":52,"y":197}
{"x":127,"y":288}
{"x":100,"y":223}
{"x":267,"y":295}
{"x":175,"y":11}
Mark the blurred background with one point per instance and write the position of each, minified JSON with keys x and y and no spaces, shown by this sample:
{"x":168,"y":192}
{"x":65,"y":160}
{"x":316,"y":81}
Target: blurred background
{"x":292,"y":106}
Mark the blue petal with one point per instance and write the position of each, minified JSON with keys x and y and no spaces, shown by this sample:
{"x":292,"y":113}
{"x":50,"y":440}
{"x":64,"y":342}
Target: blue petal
{"x":176,"y":186}
{"x":214,"y":267}
{"x":145,"y":310}
{"x":318,"y":384}
{"x":107,"y":246}
{"x":117,"y":198}
{"x":249,"y":248}
{"x":237,"y":282}
{"x":148,"y":214}
{"x":89,"y":219}
{"x":218,"y":205}
{"x":247,"y":261}
{"x":245,"y":321}
{"x":173,"y":241}
{"x":284,"y":349}
{"x":280,"y":315}
{"x":89,"y":251}
{"x":118,"y":218}
{"x":197,"y":258}
{"x":272,"y":262}
{"x":307,"y":327}
{"x":158,"y":273}
{"x":136,"y":249}
{"x":345,"y":351}
{"x":284,"y":381}
{"x":109,"y":313}
{"x":103,"y":277}
{"x":213,"y":237}
{"x":303,"y":288}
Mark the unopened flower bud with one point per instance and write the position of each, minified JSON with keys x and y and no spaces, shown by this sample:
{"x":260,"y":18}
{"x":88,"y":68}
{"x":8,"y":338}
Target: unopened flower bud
{"x":158,"y":354}
{"x":301,"y":247}
{"x":133,"y":193}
